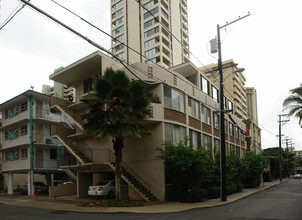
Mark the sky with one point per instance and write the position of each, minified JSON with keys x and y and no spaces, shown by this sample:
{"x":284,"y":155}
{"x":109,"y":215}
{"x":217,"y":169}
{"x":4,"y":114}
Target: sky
{"x":267,"y":44}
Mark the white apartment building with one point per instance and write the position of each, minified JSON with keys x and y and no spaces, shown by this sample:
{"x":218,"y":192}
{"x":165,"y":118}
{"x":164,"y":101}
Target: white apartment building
{"x":157,"y":29}
{"x":27,"y":146}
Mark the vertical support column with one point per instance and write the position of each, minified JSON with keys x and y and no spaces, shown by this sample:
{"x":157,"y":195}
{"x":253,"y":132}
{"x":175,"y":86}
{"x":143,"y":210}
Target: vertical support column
{"x":10,"y":187}
{"x":29,"y":183}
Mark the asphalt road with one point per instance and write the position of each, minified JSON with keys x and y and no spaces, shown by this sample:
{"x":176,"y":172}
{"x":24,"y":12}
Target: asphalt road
{"x":280,"y":202}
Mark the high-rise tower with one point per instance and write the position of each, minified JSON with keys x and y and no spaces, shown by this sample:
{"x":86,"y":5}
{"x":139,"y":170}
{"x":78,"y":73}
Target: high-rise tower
{"x":157,"y":29}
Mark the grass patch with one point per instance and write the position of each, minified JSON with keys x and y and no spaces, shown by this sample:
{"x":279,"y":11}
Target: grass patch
{"x":112,"y":203}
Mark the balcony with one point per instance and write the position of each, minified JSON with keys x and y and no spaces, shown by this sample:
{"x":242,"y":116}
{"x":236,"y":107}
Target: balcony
{"x":45,"y":164}
{"x":100,"y":156}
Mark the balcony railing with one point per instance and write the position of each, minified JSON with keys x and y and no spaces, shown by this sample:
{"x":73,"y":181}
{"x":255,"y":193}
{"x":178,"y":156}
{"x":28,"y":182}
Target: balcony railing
{"x":102,"y":156}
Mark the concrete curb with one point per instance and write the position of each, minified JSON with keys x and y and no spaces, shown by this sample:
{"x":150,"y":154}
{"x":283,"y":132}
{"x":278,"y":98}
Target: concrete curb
{"x":73,"y":205}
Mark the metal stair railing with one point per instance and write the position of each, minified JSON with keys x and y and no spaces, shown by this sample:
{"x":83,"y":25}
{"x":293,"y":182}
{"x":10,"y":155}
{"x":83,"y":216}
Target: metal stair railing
{"x":78,"y":153}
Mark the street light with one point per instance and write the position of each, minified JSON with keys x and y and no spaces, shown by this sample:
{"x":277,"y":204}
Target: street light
{"x":239,"y":70}
{"x":223,"y":192}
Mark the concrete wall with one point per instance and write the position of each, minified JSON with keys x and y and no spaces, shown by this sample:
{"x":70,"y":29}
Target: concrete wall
{"x":62,"y":190}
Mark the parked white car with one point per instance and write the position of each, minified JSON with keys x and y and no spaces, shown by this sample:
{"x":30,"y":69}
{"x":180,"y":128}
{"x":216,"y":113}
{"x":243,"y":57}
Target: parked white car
{"x":105,"y":188}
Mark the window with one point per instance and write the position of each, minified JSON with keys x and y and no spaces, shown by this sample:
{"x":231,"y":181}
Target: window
{"x":119,"y":47}
{"x":13,"y":111}
{"x":23,"y":154}
{"x":13,"y":133}
{"x":206,"y":115}
{"x":151,"y":12}
{"x":195,"y":139}
{"x":216,"y":145}
{"x":23,"y":106}
{"x":121,"y":55}
{"x":23,"y":130}
{"x":164,"y":13}
{"x":5,"y":135}
{"x":174,"y":99}
{"x":215,"y":94}
{"x":207,"y":142}
{"x":151,"y":32}
{"x":87,"y":85}
{"x":231,"y":125}
{"x":118,"y":30}
{"x":226,"y":126}
{"x":118,"y":13}
{"x":6,"y":114}
{"x":194,"y":108}
{"x":118,"y":4}
{"x":153,"y":60}
{"x":119,"y":38}
{"x":236,"y":132}
{"x":150,"y":22}
{"x":151,"y":52}
{"x":216,"y":120}
{"x":205,"y":85}
{"x":149,"y":4}
{"x":151,"y":42}
{"x":53,"y":154}
{"x":174,"y":133}
{"x":118,"y":21}
{"x":230,"y":105}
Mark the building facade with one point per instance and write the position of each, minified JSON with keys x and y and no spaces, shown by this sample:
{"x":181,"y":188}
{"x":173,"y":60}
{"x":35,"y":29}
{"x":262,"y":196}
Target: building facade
{"x":182,"y":105}
{"x":234,"y":85}
{"x":253,"y":130}
{"x":27,"y":146}
{"x":152,"y":31}
{"x":245,"y":100}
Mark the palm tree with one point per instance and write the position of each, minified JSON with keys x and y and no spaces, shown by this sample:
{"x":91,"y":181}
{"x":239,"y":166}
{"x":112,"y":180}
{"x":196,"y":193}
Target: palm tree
{"x":115,"y":112}
{"x":294,"y":103}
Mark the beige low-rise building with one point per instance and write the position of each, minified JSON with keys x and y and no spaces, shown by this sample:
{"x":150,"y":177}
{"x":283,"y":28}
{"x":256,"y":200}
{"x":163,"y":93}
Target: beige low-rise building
{"x":181,"y":107}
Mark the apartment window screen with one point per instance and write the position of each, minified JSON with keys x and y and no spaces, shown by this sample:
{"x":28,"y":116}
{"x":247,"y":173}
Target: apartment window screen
{"x":206,"y":115}
{"x":174,"y":99}
{"x":195,"y":139}
{"x":194,"y":109}
{"x":216,"y":120}
{"x":174,"y":133}
{"x":205,"y":85}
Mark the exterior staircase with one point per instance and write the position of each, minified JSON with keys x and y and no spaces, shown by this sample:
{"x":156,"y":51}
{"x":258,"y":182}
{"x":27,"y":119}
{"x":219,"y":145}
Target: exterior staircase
{"x":70,"y":114}
{"x":77,"y":152}
{"x":136,"y":183}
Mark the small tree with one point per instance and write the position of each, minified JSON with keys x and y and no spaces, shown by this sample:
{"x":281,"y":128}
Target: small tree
{"x":234,"y":173}
{"x":118,"y":107}
{"x":253,"y":166}
{"x":187,"y":172}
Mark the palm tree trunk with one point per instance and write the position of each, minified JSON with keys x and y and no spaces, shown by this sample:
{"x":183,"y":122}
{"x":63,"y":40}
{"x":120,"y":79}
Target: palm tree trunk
{"x":118,"y":145}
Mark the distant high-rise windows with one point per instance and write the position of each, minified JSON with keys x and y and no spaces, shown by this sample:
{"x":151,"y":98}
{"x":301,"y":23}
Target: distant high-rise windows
{"x":151,"y":32}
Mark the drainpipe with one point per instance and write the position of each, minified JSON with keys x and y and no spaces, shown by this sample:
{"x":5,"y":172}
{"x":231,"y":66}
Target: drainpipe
{"x":31,"y":147}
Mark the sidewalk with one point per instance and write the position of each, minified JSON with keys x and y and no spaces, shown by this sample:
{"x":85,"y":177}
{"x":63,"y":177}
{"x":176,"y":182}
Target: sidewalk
{"x":71,"y":203}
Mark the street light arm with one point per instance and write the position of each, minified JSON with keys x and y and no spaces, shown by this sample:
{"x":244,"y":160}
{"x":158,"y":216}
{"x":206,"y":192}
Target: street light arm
{"x":239,"y":70}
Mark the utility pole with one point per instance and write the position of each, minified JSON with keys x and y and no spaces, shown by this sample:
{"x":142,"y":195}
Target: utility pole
{"x":280,"y":147}
{"x":223,"y":191}
{"x":287,"y":142}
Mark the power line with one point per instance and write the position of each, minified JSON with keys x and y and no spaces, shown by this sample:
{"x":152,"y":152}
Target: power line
{"x":167,"y":70}
{"x":11,"y":16}
{"x":98,"y":46}
{"x":82,"y":36}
